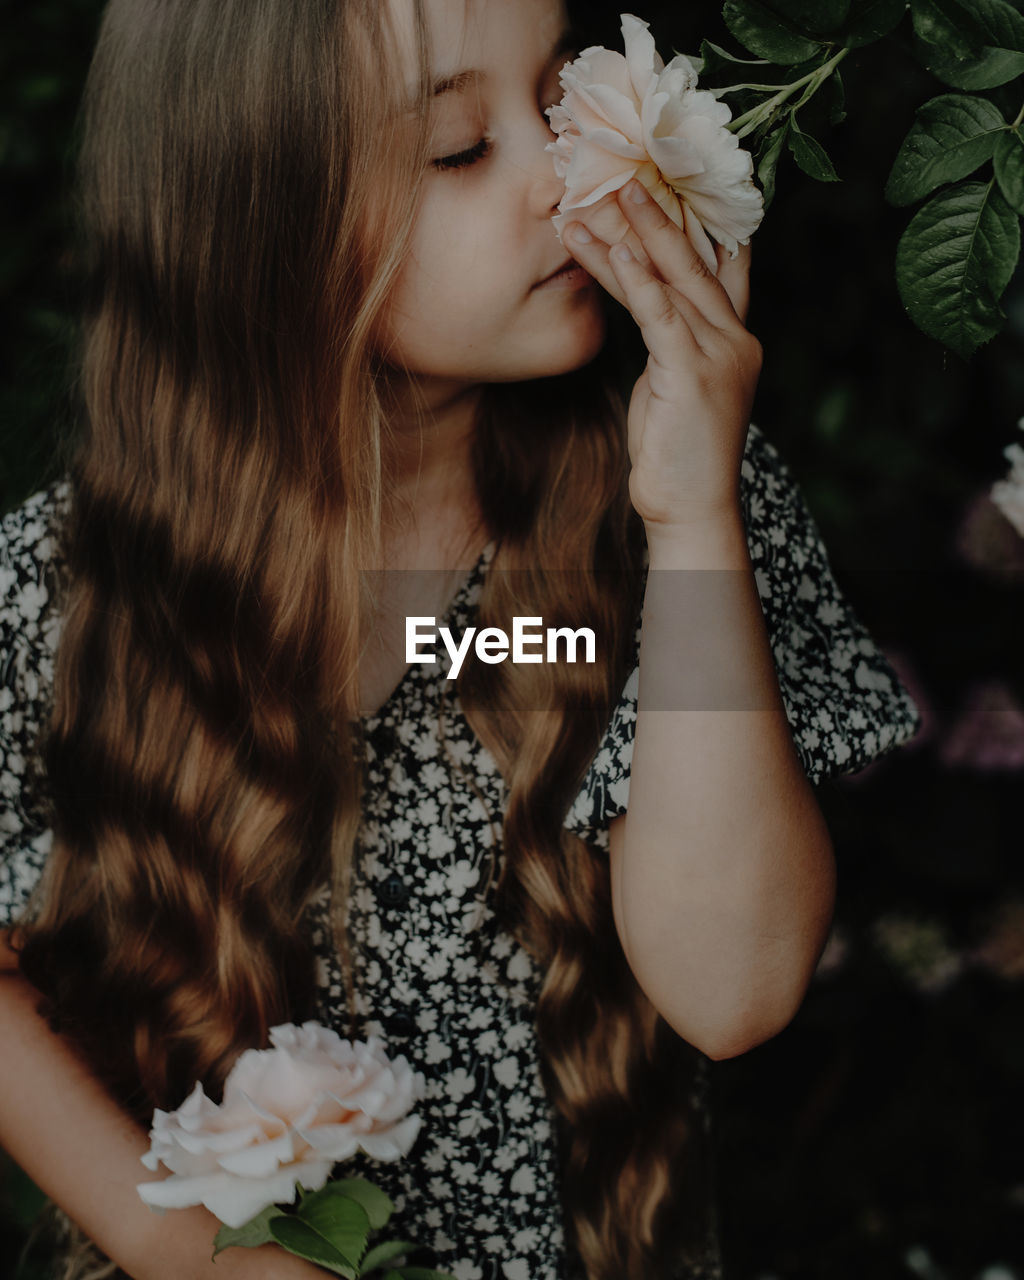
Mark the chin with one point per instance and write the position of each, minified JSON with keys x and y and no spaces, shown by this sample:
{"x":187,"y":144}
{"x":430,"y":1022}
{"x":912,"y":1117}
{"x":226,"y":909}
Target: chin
{"x":576,"y":349}
{"x":582,"y":356}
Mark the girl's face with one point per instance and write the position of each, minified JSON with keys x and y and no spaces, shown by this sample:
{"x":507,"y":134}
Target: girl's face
{"x":476,"y":301}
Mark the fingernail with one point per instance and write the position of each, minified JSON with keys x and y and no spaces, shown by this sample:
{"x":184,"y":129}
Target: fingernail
{"x":622,"y":252}
{"x":580,"y":234}
{"x":636,"y":191}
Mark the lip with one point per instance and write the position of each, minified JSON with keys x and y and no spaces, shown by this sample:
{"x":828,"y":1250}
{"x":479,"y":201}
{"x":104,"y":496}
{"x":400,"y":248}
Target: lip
{"x":568,"y":274}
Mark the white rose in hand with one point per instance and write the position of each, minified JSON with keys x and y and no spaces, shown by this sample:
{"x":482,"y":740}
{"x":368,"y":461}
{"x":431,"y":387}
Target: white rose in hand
{"x":288,"y":1114}
{"x":632,"y":116}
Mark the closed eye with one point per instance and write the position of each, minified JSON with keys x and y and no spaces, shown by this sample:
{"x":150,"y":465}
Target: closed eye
{"x":460,"y":159}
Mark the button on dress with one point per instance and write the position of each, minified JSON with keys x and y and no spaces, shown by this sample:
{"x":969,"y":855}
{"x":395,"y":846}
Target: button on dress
{"x":436,"y":977}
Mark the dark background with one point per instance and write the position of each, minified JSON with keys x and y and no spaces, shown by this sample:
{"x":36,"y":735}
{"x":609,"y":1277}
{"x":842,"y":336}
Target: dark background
{"x":880,"y":1134}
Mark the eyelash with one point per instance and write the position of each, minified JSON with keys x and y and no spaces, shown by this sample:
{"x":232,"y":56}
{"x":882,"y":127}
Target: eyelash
{"x":461,"y":159}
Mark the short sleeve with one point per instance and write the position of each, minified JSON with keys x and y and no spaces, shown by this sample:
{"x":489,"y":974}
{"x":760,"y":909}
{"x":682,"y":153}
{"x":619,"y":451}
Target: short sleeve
{"x":30,"y":587}
{"x":845,"y":703}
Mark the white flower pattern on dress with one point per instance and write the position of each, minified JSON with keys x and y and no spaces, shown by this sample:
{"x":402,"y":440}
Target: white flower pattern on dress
{"x":435,"y":977}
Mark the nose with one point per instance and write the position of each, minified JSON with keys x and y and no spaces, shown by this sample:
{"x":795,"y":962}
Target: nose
{"x":543,"y":185}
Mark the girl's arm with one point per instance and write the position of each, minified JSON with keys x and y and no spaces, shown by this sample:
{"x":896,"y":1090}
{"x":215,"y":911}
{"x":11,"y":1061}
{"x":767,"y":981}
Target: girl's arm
{"x":723,"y":878}
{"x":63,"y":1129}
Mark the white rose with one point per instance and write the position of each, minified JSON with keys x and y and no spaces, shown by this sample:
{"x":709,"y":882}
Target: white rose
{"x":288,"y":1114}
{"x":1008,"y":494}
{"x":632,"y":116}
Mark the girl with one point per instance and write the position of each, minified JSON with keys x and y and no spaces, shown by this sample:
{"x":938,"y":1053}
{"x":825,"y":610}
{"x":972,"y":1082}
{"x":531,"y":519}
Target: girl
{"x":329,"y":329}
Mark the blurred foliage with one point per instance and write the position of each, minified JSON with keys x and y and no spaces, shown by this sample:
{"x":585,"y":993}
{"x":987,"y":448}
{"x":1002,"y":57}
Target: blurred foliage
{"x":43,"y":59}
{"x":879,"y":1134}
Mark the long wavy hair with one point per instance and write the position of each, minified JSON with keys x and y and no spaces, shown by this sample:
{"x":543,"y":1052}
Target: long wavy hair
{"x":232,"y":477}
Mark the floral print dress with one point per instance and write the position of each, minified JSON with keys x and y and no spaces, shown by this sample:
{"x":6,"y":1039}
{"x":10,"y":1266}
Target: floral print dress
{"x":435,"y":976}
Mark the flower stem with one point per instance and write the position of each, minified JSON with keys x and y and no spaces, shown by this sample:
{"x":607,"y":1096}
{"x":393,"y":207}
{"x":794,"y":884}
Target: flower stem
{"x":750,"y":120}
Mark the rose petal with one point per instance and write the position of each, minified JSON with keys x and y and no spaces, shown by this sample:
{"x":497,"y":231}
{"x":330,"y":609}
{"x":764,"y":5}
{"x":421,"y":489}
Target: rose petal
{"x":667,"y":199}
{"x":393,"y":1143}
{"x":679,"y":72}
{"x":597,"y":65}
{"x":698,"y":238}
{"x":642,"y":58}
{"x":220,"y":1140}
{"x":607,"y":108}
{"x":593,"y":173}
{"x":260,"y":1160}
{"x":338,"y":1141}
{"x":677,"y":158}
{"x":232,"y":1200}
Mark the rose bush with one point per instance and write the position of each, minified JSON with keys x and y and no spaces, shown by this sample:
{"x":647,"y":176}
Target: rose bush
{"x":289,"y":1114}
{"x":632,"y":116}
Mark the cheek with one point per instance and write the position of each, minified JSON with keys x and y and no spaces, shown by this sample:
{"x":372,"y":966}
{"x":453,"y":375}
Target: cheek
{"x":451,"y":284}
{"x":459,"y":234}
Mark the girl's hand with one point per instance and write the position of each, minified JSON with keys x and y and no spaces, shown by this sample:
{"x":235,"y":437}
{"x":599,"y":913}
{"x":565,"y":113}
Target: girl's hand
{"x":690,"y":408}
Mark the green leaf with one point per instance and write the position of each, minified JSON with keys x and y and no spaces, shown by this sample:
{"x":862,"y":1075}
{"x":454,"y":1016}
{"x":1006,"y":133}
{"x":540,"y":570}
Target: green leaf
{"x":763,"y":32}
{"x":1009,"y":168}
{"x":870,"y":20}
{"x":835,"y":98}
{"x":377,"y":1206}
{"x":304,"y":1241}
{"x":945,"y":25}
{"x":340,"y":1220}
{"x":250,"y":1234}
{"x":951,"y":136}
{"x":769,"y":160}
{"x":975,"y":47}
{"x":382,"y":1253}
{"x":991,"y":68}
{"x":1002,"y":23}
{"x":714,"y":58}
{"x":810,"y":155}
{"x":819,"y":17}
{"x":954,"y":261}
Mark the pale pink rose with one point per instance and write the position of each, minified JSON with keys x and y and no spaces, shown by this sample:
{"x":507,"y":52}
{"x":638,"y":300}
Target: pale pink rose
{"x":986,"y":540}
{"x":1008,"y":494}
{"x":632,"y":116}
{"x":288,"y":1114}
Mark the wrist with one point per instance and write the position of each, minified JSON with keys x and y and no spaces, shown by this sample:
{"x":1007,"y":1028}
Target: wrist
{"x":709,"y":538}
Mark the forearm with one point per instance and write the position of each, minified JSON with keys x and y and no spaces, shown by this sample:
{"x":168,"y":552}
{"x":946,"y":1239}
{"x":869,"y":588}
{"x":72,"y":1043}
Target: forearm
{"x":60,"y":1125}
{"x":724,"y":887}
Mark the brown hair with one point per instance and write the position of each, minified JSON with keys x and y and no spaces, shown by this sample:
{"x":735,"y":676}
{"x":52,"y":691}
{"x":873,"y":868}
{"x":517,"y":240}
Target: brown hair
{"x":232,"y":478}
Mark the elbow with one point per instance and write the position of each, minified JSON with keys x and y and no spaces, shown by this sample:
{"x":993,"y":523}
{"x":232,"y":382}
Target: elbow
{"x":757,"y":1023}
{"x":740,"y":1040}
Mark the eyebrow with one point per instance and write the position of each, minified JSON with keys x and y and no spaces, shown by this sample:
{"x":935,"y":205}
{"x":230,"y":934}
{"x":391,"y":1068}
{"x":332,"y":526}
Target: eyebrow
{"x":459,"y":81}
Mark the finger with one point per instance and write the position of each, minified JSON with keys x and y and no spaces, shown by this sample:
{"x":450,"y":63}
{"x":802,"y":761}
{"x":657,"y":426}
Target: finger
{"x":606,"y":221}
{"x":592,"y":255}
{"x":664,"y":328}
{"x":674,"y":256}
{"x":734,"y":277}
